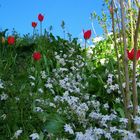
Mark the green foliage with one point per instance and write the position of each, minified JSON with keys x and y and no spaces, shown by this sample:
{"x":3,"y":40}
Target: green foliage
{"x":31,"y":105}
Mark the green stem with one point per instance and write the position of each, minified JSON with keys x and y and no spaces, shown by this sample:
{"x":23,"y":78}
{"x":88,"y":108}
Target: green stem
{"x":33,"y":32}
{"x":40,"y":28}
{"x":85,"y":43}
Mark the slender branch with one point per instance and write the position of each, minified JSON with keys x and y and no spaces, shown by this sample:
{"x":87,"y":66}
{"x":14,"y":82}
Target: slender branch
{"x":127,"y":94}
{"x":135,"y":97}
{"x":93,"y":29}
{"x":118,"y":60}
{"x":131,"y":23}
{"x":119,"y":27}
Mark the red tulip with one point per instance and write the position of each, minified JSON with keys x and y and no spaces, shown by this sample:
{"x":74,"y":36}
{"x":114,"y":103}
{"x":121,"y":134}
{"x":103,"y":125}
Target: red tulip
{"x":34,"y":24}
{"x":11,"y":40}
{"x":40,"y":17}
{"x":130,"y":54}
{"x":36,"y":56}
{"x":87,"y":34}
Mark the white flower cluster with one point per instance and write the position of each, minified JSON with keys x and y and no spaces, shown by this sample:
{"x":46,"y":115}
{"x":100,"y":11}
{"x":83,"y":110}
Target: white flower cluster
{"x":34,"y":136}
{"x":3,"y":96}
{"x":69,"y":97}
{"x":98,"y":133}
{"x":60,"y":59}
{"x":68,"y":129}
{"x":17,"y":134}
{"x":110,"y":87}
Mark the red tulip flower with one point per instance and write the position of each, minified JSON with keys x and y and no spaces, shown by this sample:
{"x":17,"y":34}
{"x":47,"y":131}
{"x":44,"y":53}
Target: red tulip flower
{"x":40,"y":17}
{"x":36,"y":56}
{"x":34,"y":24}
{"x":130,"y":54}
{"x":11,"y":40}
{"x":87,"y":34}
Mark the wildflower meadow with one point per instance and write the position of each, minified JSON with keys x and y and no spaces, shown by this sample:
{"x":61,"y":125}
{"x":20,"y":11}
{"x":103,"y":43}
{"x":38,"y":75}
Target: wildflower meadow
{"x":55,"y":88}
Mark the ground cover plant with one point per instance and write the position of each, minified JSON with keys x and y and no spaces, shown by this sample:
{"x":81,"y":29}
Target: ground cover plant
{"x":54,"y":89}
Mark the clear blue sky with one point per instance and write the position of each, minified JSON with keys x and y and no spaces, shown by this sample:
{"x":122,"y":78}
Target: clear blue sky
{"x":19,"y":14}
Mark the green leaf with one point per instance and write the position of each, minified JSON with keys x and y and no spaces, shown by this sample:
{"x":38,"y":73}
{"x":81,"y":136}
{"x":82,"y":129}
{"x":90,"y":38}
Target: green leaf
{"x":121,"y":112}
{"x":54,"y":125}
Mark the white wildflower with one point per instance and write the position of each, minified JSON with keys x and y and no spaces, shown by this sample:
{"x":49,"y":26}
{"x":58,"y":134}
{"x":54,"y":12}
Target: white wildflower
{"x":89,"y":51}
{"x":98,"y":131}
{"x":49,"y":85}
{"x":18,"y":133}
{"x":38,"y":109}
{"x":106,"y":106}
{"x":102,"y":61}
{"x":123,"y":85}
{"x":95,"y":115}
{"x":62,"y":61}
{"x":68,"y":129}
{"x":71,"y":50}
{"x":52,"y":105}
{"x":108,"y":136}
{"x":118,"y":100}
{"x":116,"y":86}
{"x":110,"y":75}
{"x":112,"y":87}
{"x":65,"y":56}
{"x":79,"y":136}
{"x":57,"y":57}
{"x":31,"y":77}
{"x":108,"y":91}
{"x":113,"y":129}
{"x":34,"y":136}
{"x":3,"y":96}
{"x":55,"y":53}
{"x":124,"y":120}
{"x":137,"y":120}
{"x":43,"y":74}
{"x":109,"y":81}
{"x":40,"y":90}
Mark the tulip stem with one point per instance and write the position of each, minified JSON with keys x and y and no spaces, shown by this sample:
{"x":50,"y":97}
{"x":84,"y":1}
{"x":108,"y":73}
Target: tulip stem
{"x":40,"y":28}
{"x":33,"y":32}
{"x":85,"y":43}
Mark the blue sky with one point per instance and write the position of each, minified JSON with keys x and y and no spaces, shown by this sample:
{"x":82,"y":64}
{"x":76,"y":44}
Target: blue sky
{"x":19,"y":14}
